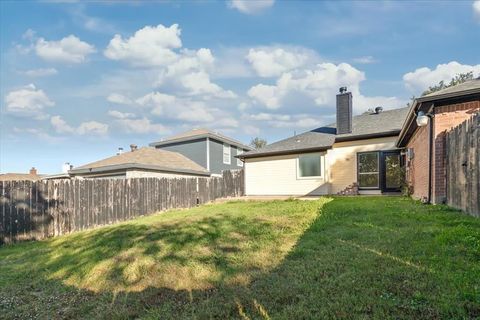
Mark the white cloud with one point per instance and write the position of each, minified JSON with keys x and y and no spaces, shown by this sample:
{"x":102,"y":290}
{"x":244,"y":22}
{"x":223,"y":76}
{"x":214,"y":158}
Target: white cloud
{"x":198,"y":83}
{"x":365,"y":60}
{"x":269,"y":117}
{"x":142,"y":126}
{"x":181,"y":71}
{"x":119,"y":99}
{"x":476,"y":9}
{"x":266,"y":95}
{"x":250,"y":6}
{"x":149,"y":46}
{"x":89,"y":127}
{"x":69,"y":49}
{"x":40,"y":72}
{"x":92,"y":127}
{"x":38,"y":133}
{"x":179,"y":108}
{"x":60,"y":125}
{"x":156,"y":101}
{"x":91,"y":23}
{"x":422,"y":78}
{"x":317,"y":87}
{"x":29,"y":34}
{"x":251,"y":130}
{"x":195,"y":112}
{"x":273,"y":61}
{"x":318,"y":84}
{"x":189,"y":75}
{"x":28,"y":101}
{"x":120,"y":115}
{"x":303,"y":122}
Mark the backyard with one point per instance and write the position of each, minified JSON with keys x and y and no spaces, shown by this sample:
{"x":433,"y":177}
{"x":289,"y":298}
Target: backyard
{"x":336,"y":257}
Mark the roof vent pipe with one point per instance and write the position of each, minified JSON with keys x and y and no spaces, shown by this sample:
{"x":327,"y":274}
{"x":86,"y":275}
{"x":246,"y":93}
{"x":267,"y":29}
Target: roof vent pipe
{"x":133,"y":147}
{"x":378,"y":110}
{"x":66,"y":166}
{"x":119,"y":151}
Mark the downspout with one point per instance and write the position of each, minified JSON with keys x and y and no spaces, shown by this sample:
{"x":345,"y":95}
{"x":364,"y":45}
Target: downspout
{"x":430,"y":154}
{"x":208,"y":154}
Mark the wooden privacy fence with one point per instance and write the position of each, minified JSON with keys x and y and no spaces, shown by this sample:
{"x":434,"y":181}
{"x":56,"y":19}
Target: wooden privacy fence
{"x":463,"y":166}
{"x":37,"y":210}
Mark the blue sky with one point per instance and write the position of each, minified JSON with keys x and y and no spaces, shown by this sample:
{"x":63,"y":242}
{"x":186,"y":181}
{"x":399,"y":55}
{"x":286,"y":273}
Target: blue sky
{"x":80,"y":79}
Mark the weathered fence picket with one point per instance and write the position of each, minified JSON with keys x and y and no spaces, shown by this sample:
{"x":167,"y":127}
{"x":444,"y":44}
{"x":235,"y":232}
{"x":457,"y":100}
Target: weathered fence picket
{"x":463,"y":166}
{"x":41,"y":209}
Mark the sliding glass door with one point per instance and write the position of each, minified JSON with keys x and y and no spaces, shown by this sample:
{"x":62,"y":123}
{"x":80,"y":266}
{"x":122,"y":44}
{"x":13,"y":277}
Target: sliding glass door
{"x":379,"y":170}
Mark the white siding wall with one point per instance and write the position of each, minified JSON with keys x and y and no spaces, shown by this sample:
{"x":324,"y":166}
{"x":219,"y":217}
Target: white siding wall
{"x":278,"y":176}
{"x":342,"y":159}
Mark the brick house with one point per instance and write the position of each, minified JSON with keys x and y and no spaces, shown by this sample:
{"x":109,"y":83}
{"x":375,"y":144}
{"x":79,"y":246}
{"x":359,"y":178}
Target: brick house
{"x":425,"y":145}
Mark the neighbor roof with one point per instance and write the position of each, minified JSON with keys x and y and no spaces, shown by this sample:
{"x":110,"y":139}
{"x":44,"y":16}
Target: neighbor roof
{"x":365,"y":126}
{"x":144,"y":158}
{"x":19,"y":176}
{"x":460,"y":91}
{"x":199,"y":134}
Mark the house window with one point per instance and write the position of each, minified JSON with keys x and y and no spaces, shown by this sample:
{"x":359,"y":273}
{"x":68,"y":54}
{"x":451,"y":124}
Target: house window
{"x":368,"y":170}
{"x":226,"y":154}
{"x":239,"y":162}
{"x":309,"y":165}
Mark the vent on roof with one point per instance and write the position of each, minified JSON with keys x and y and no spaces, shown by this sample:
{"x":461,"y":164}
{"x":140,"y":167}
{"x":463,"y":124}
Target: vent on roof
{"x":133,"y":147}
{"x":378,"y":110}
{"x":66,"y":167}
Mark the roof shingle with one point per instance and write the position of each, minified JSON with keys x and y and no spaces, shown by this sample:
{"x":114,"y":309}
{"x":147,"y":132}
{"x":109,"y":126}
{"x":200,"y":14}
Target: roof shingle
{"x":146,"y":156}
{"x":369,"y":124}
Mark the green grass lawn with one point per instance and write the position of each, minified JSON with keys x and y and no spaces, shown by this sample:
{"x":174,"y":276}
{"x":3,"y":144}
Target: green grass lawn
{"x":363,"y":257}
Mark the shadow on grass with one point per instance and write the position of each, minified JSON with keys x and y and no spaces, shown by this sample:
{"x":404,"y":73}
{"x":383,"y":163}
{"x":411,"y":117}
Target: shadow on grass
{"x":345,"y":263}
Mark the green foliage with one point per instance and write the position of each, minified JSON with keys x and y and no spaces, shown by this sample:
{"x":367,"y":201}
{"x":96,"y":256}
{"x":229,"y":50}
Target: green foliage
{"x":258,"y":143}
{"x":339,"y":257}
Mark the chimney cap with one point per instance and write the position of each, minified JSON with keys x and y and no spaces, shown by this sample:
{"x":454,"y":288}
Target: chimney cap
{"x":33,"y":171}
{"x":342,"y":89}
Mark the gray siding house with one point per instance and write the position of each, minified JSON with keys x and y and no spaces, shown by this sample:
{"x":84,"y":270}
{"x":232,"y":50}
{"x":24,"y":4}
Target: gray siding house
{"x":211,"y":150}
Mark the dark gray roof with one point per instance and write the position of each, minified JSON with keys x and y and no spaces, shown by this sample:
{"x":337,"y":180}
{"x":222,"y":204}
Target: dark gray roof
{"x":199,"y":134}
{"x":471,"y":86}
{"x":365,"y":126}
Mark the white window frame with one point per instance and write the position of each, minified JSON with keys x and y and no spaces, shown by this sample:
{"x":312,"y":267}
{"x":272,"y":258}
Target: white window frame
{"x":227,"y":150}
{"x":239,"y":161}
{"x":320,"y":156}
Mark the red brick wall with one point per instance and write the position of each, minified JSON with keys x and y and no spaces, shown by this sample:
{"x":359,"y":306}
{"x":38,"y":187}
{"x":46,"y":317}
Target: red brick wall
{"x":417,"y":168}
{"x":446,"y":117}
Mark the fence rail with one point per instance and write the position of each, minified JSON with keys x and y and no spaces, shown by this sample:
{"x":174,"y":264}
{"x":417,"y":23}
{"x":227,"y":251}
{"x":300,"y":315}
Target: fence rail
{"x":463,"y":166}
{"x":37,"y":210}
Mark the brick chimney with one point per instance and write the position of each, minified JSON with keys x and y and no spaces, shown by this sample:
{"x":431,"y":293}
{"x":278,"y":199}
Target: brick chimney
{"x":344,"y":111}
{"x":33,"y":171}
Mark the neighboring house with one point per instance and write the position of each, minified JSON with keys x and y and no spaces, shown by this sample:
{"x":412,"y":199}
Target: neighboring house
{"x":209,"y":149}
{"x":139,"y":163}
{"x":443,"y":110}
{"x":354,"y":155}
{"x":32,"y":176}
